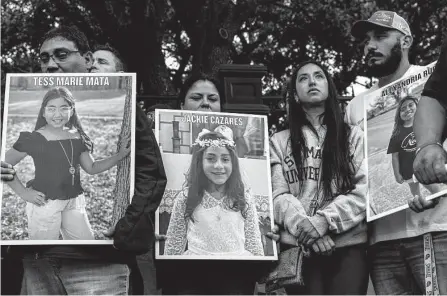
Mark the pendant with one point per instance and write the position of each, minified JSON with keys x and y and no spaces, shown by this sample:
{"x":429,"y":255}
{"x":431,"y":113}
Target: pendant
{"x":218,"y":214}
{"x":72,"y":170}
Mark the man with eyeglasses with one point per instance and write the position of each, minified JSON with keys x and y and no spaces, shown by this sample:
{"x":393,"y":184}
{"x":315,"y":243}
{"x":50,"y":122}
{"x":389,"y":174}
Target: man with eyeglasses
{"x":56,"y":270}
{"x":67,"y":53}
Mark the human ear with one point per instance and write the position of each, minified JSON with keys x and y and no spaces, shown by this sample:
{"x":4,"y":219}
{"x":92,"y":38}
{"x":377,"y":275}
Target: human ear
{"x":406,"y":41}
{"x":88,"y":56}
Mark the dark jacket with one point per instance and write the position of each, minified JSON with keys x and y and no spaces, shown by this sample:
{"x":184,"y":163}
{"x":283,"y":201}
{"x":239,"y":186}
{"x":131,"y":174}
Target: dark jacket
{"x":135,"y":231}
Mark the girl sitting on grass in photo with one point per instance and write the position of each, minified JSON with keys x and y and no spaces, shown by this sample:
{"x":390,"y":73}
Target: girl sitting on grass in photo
{"x":214,"y":214}
{"x":59,"y":148}
{"x":403,"y":144}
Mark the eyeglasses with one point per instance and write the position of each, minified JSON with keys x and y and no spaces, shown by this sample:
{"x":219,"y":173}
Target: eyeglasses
{"x":63,"y":110}
{"x":59,"y":55}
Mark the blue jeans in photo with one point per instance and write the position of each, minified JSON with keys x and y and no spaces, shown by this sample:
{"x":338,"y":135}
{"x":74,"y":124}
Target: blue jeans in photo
{"x":53,"y":276}
{"x":397,"y":266}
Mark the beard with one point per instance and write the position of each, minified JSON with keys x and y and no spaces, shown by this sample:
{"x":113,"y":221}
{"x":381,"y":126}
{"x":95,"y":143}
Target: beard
{"x":389,"y":66}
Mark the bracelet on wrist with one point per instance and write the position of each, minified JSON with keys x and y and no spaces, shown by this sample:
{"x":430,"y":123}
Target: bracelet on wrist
{"x":426,"y":145}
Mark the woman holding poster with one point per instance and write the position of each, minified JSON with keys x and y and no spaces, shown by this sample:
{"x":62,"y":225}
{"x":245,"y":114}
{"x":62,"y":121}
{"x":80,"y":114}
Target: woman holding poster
{"x":215,"y":214}
{"x":319,"y":186}
{"x":59,"y":147}
{"x":211,"y":277}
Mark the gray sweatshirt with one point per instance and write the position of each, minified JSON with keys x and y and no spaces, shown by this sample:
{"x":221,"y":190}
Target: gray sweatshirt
{"x":344,"y":216}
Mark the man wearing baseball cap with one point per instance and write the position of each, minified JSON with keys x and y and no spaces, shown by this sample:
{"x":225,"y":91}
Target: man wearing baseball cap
{"x":396,"y":251}
{"x":387,"y":40}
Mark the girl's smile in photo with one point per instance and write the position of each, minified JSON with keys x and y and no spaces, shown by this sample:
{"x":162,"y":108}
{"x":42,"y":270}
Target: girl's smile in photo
{"x":217,"y":165}
{"x":407,"y":110}
{"x":57,"y":112}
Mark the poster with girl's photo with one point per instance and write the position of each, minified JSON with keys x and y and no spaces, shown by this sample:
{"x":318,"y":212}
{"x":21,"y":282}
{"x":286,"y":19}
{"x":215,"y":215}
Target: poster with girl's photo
{"x":391,"y":146}
{"x":70,"y":140}
{"x":218,"y":201}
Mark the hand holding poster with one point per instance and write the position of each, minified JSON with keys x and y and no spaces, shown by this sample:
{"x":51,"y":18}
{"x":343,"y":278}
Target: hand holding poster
{"x":217,"y":203}
{"x":391,"y":146}
{"x":62,"y":195}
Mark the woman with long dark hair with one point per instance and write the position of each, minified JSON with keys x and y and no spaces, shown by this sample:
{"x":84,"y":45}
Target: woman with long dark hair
{"x":319,"y":186}
{"x":59,"y":147}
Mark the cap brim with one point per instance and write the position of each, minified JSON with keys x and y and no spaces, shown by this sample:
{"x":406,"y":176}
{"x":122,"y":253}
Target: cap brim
{"x":360,"y":28}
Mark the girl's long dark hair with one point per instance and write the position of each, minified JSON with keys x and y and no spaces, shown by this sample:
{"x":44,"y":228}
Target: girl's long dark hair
{"x":337,"y":166}
{"x":197,"y":182}
{"x":398,"y":122}
{"x":74,"y":122}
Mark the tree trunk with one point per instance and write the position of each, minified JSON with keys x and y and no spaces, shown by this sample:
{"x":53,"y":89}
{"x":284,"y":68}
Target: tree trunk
{"x":121,"y":193}
{"x":211,"y":29}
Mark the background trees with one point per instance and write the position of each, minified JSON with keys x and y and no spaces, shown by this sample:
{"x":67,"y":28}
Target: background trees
{"x":164,"y":40}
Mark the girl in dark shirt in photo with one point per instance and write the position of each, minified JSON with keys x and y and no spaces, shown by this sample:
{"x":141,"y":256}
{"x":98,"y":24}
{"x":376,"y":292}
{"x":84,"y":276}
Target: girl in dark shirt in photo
{"x":403,"y":146}
{"x":59,"y":148}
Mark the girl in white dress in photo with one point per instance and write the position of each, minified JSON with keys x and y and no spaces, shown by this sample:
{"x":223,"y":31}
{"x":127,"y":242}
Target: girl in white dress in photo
{"x":214,"y":214}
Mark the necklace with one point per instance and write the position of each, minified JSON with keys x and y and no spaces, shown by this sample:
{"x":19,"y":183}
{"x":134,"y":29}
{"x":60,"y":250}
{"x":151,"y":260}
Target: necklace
{"x":319,"y":137}
{"x":71,"y":170}
{"x":219,"y":204}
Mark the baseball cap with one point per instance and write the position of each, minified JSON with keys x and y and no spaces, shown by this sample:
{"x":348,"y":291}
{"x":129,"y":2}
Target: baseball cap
{"x":382,"y":18}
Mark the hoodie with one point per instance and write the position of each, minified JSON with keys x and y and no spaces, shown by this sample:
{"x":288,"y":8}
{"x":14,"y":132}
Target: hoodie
{"x":344,"y":216}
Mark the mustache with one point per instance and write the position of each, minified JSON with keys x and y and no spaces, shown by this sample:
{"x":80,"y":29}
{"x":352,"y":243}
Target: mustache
{"x":373,"y":54}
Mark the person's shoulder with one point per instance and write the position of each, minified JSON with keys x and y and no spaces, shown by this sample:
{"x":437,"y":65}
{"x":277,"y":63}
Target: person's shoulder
{"x":182,"y":196}
{"x":27,"y":136}
{"x":414,"y":69}
{"x":356,"y":134}
{"x":74,"y":134}
{"x":31,"y":136}
{"x":250,"y":198}
{"x":359,"y":98}
{"x":355,"y":131}
{"x":281,"y":136}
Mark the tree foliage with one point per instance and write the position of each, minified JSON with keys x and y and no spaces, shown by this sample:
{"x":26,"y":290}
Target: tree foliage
{"x":164,"y":40}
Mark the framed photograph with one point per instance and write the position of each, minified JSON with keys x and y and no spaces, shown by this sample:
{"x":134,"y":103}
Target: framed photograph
{"x":218,"y":199}
{"x":391,"y":146}
{"x":70,"y":138}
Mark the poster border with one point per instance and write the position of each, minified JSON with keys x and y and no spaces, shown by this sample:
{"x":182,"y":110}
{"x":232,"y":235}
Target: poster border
{"x":369,"y":216}
{"x":133,"y":76}
{"x":270,"y":192}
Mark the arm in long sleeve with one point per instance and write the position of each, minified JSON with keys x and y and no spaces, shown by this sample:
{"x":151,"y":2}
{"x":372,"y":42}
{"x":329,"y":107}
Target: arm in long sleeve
{"x":288,"y":210}
{"x":429,"y":125}
{"x":136,"y":227}
{"x":347,"y":210}
{"x":253,"y":242}
{"x":176,"y":237}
